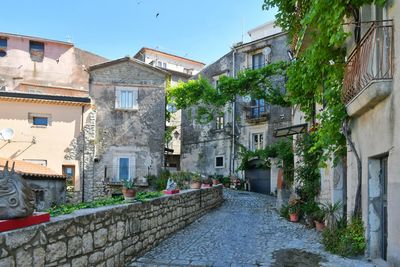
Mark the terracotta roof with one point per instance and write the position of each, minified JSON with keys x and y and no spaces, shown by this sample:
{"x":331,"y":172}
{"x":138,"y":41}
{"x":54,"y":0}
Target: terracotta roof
{"x":137,"y":55}
{"x":30,"y":169}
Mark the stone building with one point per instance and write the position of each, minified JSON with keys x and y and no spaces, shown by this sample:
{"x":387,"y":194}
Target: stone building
{"x":181,"y":69}
{"x":371,"y":94}
{"x":212,"y":149}
{"x":128,"y":142}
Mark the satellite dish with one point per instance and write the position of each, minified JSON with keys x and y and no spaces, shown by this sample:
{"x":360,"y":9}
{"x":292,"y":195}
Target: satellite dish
{"x":7,"y":134}
{"x":246,"y":99}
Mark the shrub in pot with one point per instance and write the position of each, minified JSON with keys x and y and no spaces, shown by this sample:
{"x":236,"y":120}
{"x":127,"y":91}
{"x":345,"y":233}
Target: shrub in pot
{"x":294,"y":210}
{"x":319,"y":220}
{"x":128,"y":189}
{"x":196,"y":181}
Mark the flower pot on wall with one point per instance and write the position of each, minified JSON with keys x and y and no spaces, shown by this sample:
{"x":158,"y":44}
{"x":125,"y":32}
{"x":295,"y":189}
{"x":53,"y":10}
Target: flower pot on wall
{"x":195,"y":185}
{"x":294,"y":217}
{"x":215,"y":181}
{"x":129,"y":194}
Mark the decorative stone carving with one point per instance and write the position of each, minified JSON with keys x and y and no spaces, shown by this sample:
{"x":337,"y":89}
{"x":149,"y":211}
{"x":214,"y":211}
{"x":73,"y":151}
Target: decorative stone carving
{"x":16,"y":196}
{"x":171,"y":185}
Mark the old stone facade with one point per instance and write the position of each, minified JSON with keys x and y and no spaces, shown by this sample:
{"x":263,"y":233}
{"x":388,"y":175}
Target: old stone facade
{"x":128,"y":142}
{"x":111,"y":236}
{"x":181,"y":69}
{"x":212,"y":149}
{"x":371,"y":94}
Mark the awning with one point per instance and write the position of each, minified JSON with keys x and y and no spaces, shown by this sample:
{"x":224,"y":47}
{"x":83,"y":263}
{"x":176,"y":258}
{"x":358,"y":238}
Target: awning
{"x":291,"y":130}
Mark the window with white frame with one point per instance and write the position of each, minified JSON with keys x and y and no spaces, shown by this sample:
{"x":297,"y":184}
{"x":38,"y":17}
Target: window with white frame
{"x":219,"y":122}
{"x":219,"y":162}
{"x":257,"y":141}
{"x":124,"y":168}
{"x":126,"y":98}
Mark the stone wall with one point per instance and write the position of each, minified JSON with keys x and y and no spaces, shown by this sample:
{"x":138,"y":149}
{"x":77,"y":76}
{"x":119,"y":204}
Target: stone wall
{"x":108,"y":236}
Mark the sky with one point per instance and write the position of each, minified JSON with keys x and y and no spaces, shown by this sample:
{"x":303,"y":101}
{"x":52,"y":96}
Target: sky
{"x":202,"y":30}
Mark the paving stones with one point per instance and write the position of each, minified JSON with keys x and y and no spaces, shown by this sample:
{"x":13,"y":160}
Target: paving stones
{"x":245,"y":231}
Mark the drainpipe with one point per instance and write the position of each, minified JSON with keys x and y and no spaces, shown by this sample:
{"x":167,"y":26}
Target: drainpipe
{"x":232,"y":170}
{"x":83,"y":156}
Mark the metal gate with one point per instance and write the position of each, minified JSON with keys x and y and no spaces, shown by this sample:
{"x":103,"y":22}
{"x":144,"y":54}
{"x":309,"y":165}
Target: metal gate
{"x":259,"y":178}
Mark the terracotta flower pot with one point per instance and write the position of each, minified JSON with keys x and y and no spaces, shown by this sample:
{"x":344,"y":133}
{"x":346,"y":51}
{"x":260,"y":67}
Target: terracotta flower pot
{"x":129,"y":192}
{"x":319,"y":226}
{"x":294,"y":217}
{"x":195,"y":185}
{"x":215,"y":181}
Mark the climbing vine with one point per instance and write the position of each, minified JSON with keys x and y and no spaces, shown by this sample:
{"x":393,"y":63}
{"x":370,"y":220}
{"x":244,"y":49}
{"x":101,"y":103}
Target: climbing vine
{"x":316,"y":77}
{"x":209,"y":100}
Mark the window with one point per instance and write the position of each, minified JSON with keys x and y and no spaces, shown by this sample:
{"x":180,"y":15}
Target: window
{"x":40,"y":121}
{"x":126,"y":98}
{"x":159,"y":63}
{"x":257,"y":141}
{"x":258,"y":61}
{"x":257,"y":108}
{"x":3,"y":47}
{"x":164,"y":65}
{"x":69,"y":171}
{"x":219,"y":161}
{"x":220,"y":122}
{"x":36,"y":50}
{"x":123,"y":169}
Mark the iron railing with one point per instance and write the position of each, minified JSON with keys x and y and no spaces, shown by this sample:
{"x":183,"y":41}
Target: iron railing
{"x":371,"y":60}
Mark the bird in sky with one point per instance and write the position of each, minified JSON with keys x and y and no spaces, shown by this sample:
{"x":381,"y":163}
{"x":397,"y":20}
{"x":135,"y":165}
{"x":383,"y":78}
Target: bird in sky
{"x":157,"y":15}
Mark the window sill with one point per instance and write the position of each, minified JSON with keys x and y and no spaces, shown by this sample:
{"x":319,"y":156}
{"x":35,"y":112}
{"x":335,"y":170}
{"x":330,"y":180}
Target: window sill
{"x":219,"y":167}
{"x":126,"y":109}
{"x":39,"y":126}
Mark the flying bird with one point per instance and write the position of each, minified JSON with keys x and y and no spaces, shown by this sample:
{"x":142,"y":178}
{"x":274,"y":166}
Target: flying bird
{"x":157,"y":15}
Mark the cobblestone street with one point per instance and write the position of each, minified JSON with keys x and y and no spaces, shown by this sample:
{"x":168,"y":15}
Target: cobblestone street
{"x":245,"y":231}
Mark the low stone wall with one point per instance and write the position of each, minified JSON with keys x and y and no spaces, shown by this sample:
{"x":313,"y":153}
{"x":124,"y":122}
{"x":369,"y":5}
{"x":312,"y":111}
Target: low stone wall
{"x":108,"y":236}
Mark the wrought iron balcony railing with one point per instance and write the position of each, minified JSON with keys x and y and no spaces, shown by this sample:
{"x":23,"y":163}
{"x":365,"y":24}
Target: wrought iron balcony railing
{"x":370,"y":61}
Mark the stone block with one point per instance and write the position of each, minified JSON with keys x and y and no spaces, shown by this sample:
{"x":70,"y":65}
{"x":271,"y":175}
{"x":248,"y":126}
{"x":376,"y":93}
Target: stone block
{"x":87,"y":243}
{"x":39,"y":257}
{"x":78,"y":262}
{"x":7,"y":262}
{"x":56,"y":251}
{"x":120,"y":230}
{"x":96,"y":257}
{"x":74,"y":246}
{"x":24,"y":258}
{"x":100,"y":237}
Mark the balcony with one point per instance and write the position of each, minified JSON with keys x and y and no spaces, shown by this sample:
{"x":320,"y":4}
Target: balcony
{"x":257,"y":113}
{"x":369,"y":70}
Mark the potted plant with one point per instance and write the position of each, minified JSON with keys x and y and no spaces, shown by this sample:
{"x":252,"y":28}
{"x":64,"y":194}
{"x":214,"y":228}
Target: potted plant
{"x":215,"y":180}
{"x":128,"y":189}
{"x":196,"y":181}
{"x":331,"y":213}
{"x":206,"y":182}
{"x":319,"y":220}
{"x":294,"y":210}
